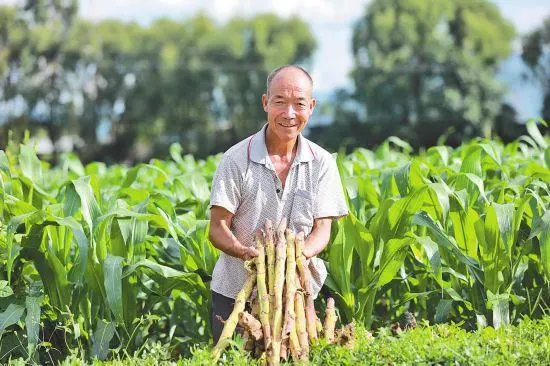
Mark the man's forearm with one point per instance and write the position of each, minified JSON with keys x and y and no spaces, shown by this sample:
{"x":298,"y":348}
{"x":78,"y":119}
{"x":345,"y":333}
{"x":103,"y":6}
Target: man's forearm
{"x":224,"y":240}
{"x":317,"y":241}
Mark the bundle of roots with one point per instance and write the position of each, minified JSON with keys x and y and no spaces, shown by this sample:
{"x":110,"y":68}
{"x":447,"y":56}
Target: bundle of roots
{"x":282,"y":320}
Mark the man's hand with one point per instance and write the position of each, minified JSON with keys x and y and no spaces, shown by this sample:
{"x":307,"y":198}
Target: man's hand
{"x":306,"y":253}
{"x":247,"y":253}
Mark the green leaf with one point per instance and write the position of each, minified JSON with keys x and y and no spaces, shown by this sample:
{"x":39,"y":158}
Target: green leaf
{"x":188,"y":279}
{"x":464,"y":231}
{"x":542,"y":227}
{"x":340,"y":261}
{"x":90,"y":208}
{"x":400,"y":143}
{"x":102,"y":336}
{"x":401,"y":211}
{"x":5,"y":289}
{"x":12,"y":248}
{"x":496,"y":249}
{"x":533,"y":130}
{"x":198,"y":186}
{"x":72,"y":163}
{"x":443,"y":240}
{"x":30,"y":165}
{"x":432,"y":252}
{"x":442,"y":310}
{"x":77,"y":273}
{"x":471,"y":165}
{"x":32,"y":321}
{"x":53,"y":273}
{"x":90,"y":212}
{"x":13,"y":313}
{"x":175,"y":153}
{"x":392,"y":259}
{"x":499,"y":303}
{"x":71,"y":204}
{"x":4,"y":163}
{"x":112,"y":270}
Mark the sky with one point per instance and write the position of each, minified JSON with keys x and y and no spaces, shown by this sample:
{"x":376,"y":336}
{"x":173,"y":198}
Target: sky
{"x":331,"y":22}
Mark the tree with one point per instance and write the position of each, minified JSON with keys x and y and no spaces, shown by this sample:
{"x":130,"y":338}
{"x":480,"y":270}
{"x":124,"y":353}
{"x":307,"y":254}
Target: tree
{"x":536,"y":55}
{"x":31,"y":76}
{"x":426,"y":66}
{"x":129,"y":91}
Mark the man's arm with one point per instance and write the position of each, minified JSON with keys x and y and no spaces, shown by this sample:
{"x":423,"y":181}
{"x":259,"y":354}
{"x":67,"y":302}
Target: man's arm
{"x":318,"y":239}
{"x":222,"y":238}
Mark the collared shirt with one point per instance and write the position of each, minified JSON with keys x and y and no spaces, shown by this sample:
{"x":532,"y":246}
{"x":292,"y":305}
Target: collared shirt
{"x":246,"y":184}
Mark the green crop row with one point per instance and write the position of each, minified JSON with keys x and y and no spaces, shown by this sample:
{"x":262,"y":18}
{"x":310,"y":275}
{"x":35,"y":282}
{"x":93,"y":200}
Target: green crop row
{"x":459,"y":234}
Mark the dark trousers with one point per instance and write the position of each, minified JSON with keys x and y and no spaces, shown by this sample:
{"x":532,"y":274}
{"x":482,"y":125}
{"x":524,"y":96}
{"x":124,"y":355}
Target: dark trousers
{"x":221,"y":306}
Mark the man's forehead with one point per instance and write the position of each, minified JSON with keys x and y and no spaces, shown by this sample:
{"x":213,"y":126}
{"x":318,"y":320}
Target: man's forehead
{"x":290,"y":79}
{"x":297,"y":93}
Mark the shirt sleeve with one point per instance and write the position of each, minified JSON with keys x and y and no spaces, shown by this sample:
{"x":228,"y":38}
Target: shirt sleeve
{"x":226,"y":185}
{"x":330,"y":200}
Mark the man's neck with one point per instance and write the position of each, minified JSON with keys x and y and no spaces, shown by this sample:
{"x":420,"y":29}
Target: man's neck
{"x":285,"y":150}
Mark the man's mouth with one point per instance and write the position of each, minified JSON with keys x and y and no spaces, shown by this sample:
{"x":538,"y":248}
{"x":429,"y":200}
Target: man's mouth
{"x":286,"y":125}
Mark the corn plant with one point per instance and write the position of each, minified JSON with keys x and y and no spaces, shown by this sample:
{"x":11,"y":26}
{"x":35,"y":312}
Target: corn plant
{"x":457,"y":231}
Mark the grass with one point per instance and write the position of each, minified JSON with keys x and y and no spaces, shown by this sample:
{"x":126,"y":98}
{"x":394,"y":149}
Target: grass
{"x":441,"y":344}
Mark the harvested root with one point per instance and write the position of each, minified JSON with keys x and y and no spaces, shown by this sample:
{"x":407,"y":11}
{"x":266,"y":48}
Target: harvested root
{"x":263,"y":296}
{"x":306,"y":284}
{"x":330,"y":320}
{"x":251,"y":325}
{"x":270,"y":254}
{"x":290,"y":315}
{"x":280,"y":251}
{"x":282,"y":322}
{"x":231,"y":322}
{"x":301,"y":327}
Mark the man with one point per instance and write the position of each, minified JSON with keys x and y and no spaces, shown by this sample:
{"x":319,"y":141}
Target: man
{"x":276,"y":173}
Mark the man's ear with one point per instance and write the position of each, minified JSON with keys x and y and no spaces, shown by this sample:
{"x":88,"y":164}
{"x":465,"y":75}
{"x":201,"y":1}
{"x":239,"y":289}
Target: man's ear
{"x":312,"y":105}
{"x":264,"y":102}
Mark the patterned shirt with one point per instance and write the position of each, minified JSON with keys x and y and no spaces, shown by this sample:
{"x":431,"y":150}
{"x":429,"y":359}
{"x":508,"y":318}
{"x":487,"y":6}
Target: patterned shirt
{"x":246,"y":184}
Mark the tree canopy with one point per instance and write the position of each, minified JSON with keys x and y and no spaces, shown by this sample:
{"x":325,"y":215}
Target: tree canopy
{"x":422,"y":67}
{"x":123,"y":87}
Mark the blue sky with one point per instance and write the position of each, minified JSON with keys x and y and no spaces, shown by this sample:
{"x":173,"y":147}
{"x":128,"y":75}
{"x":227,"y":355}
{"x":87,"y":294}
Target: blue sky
{"x":331,"y":22}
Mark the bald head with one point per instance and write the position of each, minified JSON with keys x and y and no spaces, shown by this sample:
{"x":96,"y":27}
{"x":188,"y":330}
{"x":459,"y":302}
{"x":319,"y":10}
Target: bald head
{"x":273,"y":74}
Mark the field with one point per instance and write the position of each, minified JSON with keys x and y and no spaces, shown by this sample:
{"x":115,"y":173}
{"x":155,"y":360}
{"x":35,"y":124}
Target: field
{"x":104,"y":261}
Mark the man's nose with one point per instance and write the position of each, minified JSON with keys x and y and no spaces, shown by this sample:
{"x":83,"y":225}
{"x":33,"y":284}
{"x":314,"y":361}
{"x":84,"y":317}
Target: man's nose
{"x":290,"y":111}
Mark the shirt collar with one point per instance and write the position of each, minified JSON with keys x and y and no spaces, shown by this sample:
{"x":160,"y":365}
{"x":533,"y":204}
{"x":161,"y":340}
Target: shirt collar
{"x":258,"y":149}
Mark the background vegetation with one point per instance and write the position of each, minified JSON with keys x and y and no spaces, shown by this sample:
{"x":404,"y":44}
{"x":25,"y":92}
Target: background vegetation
{"x":118,"y":91}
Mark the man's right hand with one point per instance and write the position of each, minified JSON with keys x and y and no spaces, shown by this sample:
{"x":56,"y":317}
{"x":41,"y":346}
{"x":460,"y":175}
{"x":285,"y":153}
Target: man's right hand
{"x":247,"y":253}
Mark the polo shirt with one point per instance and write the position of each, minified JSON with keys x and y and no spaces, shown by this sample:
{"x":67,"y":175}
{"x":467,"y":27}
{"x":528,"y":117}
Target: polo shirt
{"x":246,"y":184}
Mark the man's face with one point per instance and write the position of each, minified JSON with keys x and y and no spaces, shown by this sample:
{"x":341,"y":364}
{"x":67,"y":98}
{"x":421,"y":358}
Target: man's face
{"x":288,"y":104}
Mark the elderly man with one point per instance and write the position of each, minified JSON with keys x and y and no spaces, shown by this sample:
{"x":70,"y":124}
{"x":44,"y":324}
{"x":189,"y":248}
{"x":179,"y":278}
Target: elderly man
{"x":274,"y":174}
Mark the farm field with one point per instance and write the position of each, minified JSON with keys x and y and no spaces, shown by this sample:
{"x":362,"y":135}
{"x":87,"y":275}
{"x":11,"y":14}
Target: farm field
{"x":113,"y":262}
